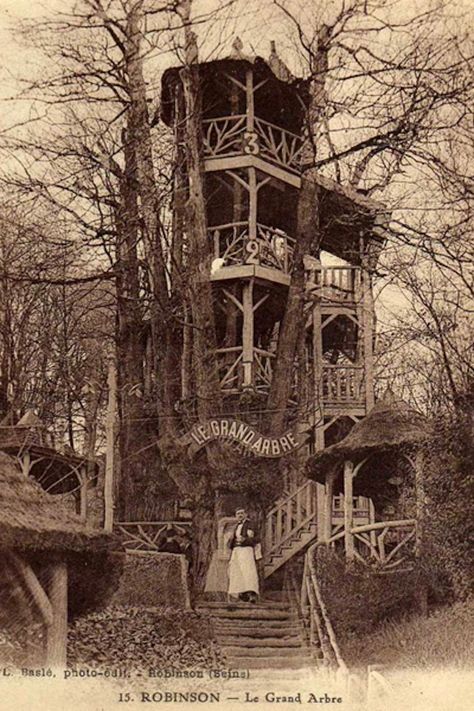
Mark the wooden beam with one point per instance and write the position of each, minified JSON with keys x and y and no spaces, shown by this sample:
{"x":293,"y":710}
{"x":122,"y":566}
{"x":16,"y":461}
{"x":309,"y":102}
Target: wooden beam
{"x":253,"y":194}
{"x":56,"y":645}
{"x":247,"y":332}
{"x":82,"y":476}
{"x":348,"y":510}
{"x":250,"y":100}
{"x":34,"y":587}
{"x":244,"y":161}
{"x":368,"y":335}
{"x":25,"y":462}
{"x":318,"y":373}
{"x":328,"y":497}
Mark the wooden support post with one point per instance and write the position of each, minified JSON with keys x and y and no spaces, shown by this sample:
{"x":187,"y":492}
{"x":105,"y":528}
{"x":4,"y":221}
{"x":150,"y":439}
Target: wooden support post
{"x":110,"y":447}
{"x":304,"y":600}
{"x":253,"y":197}
{"x":247,"y":334}
{"x":348,"y":510}
{"x":368,"y":335}
{"x":373,"y":535}
{"x":56,"y":647}
{"x":82,"y":474}
{"x":250,"y":100}
{"x":318,"y":374}
{"x":421,"y":592}
{"x":328,"y":496}
{"x":25,"y":462}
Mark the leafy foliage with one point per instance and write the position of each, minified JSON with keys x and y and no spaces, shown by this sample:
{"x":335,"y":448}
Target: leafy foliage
{"x":449,"y":482}
{"x":358,"y":599}
{"x":143,"y":638}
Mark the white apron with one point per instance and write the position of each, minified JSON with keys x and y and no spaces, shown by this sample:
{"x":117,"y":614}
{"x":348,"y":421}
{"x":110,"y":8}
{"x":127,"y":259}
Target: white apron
{"x":243,"y":574}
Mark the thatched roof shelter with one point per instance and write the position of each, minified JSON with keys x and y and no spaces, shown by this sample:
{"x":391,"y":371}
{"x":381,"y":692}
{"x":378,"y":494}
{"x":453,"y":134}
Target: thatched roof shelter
{"x":51,"y":561}
{"x":29,"y":441}
{"x":31,"y":519}
{"x":390,"y":425}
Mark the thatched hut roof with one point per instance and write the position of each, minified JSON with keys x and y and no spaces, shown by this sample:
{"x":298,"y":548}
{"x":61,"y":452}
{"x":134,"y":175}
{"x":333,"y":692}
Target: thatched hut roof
{"x":32,"y":520}
{"x":389,"y":425}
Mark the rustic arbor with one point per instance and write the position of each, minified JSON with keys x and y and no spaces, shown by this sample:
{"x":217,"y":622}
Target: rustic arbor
{"x":379,"y":459}
{"x":59,"y":473}
{"x":42,"y":546}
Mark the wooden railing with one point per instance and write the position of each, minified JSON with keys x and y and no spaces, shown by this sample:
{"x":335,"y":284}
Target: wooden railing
{"x":270,"y":247}
{"x":154,"y":536}
{"x":336,"y":283}
{"x":345,"y":280}
{"x":228,"y":136}
{"x":343,"y":384}
{"x":290,"y":515}
{"x":263,"y":369}
{"x":384,"y":545}
{"x":360,"y":506}
{"x":223,"y":136}
{"x":321,"y":630}
{"x":231,"y":369}
{"x":361,"y":690}
{"x":278,"y":145}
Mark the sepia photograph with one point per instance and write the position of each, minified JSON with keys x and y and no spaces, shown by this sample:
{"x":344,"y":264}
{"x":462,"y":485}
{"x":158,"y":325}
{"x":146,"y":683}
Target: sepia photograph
{"x":236,"y":355}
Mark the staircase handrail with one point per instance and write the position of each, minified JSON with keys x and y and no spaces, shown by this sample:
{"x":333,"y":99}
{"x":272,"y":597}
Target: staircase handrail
{"x":319,"y":610}
{"x":281,"y":541}
{"x":284,"y":500}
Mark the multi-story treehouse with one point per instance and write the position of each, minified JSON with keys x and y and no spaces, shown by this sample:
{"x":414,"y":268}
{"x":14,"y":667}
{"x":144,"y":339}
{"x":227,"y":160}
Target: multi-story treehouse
{"x":253,"y":115}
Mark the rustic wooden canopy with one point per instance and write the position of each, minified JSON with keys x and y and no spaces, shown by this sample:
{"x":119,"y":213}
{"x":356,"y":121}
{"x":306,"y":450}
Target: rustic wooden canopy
{"x":40,"y":543}
{"x":388,"y":426}
{"x":286,"y":97}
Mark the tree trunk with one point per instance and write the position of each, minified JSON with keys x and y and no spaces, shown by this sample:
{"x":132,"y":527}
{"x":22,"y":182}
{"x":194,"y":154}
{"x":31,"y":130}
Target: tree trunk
{"x":293,"y":321}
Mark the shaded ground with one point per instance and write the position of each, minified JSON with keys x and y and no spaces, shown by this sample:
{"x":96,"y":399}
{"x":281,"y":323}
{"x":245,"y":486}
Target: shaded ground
{"x":444,"y":639}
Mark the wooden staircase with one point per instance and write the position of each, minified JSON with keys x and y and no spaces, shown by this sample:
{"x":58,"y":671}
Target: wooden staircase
{"x":267,"y":635}
{"x":290,"y":526}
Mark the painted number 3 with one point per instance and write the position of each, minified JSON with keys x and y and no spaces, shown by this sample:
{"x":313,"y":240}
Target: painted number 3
{"x":251,"y":143}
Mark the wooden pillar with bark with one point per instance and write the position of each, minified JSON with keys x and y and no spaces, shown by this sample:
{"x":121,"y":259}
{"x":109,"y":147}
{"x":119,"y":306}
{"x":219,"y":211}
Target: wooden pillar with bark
{"x":348,"y":510}
{"x":56,"y":643}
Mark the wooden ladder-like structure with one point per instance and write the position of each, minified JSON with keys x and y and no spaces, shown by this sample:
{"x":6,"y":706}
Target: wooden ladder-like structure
{"x":290,"y":526}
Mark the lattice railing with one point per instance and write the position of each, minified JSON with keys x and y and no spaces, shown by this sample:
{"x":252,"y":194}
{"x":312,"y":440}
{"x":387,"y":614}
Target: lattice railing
{"x":263,"y":369}
{"x":231,"y":368}
{"x":278,"y":145}
{"x":339,"y":282}
{"x":270,"y":248}
{"x":384,"y":544}
{"x":343,"y":383}
{"x":155,"y":536}
{"x":228,"y":136}
{"x":290,"y":515}
{"x":223,"y":136}
{"x":229,"y":242}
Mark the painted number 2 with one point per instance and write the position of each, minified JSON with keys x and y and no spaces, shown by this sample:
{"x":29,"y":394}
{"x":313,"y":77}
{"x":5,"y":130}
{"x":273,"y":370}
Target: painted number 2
{"x":252,"y":248}
{"x":251,"y":143}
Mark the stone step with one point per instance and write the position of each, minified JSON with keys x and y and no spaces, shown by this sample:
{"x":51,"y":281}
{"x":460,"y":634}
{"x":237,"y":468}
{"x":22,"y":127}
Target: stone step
{"x":253,"y":614}
{"x":260,"y":631}
{"x":242,"y":641}
{"x":236,"y":651}
{"x":270,"y":663}
{"x":262,"y":605}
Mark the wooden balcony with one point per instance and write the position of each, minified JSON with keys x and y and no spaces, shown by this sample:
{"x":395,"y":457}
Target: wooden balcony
{"x":338,"y":285}
{"x":343,"y":384}
{"x":267,"y":247}
{"x":229,"y":136}
{"x":236,"y":375}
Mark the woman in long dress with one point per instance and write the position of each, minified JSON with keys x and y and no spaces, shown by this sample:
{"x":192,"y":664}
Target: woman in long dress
{"x":243,"y":574}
